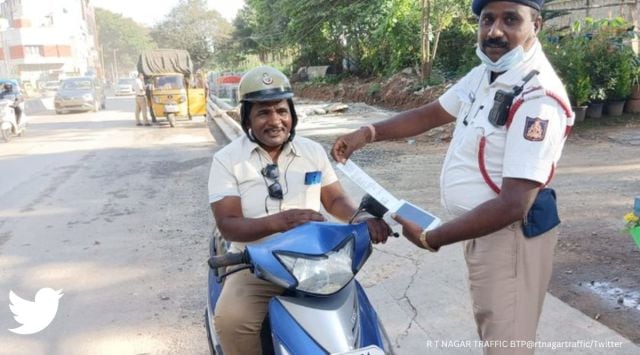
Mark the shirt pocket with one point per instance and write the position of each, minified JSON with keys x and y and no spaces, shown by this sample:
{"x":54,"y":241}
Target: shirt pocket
{"x":466,"y":103}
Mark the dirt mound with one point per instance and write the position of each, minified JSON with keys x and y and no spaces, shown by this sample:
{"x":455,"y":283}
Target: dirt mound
{"x":400,"y":92}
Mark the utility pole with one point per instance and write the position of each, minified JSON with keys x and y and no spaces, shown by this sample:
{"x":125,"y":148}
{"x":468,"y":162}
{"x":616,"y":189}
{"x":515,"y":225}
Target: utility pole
{"x":115,"y":64}
{"x":4,"y":27}
{"x":102,"y":68}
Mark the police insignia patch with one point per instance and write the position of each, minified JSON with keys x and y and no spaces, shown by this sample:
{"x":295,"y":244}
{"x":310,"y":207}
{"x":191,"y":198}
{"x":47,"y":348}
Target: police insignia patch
{"x":266,"y":79}
{"x":535,"y":129}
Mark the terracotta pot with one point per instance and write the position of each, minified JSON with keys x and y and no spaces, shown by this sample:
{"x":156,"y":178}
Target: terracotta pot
{"x":614,"y":108}
{"x":580,"y":112}
{"x":595,"y":110}
{"x":633,"y":106}
{"x":635,"y":92}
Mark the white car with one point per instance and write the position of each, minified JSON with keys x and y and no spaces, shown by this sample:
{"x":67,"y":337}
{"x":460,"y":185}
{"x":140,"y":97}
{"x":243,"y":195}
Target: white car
{"x":125,"y":87}
{"x":50,"y":88}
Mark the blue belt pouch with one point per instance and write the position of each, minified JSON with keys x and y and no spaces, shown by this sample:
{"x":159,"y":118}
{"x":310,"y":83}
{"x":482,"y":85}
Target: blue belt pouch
{"x":543,"y":214}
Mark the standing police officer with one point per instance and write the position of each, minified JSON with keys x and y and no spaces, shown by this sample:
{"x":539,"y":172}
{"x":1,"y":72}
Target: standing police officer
{"x":512,"y":117}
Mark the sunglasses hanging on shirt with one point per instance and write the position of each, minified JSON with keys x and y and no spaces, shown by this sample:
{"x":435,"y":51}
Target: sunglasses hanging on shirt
{"x":275,"y":189}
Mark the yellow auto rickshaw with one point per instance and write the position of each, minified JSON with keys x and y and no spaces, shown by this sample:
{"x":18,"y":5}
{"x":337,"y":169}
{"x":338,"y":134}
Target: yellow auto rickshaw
{"x":167,"y":73}
{"x":171,"y":97}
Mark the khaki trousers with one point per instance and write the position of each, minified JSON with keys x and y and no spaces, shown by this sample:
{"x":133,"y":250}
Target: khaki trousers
{"x":141,"y":105}
{"x":240,"y":312}
{"x":508,"y":278}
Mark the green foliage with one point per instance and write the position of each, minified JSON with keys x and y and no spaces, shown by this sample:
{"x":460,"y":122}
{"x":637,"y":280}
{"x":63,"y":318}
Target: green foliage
{"x":376,"y":37}
{"x":122,"y":36}
{"x":593,"y":59}
{"x":191,"y":26}
{"x":457,"y":51}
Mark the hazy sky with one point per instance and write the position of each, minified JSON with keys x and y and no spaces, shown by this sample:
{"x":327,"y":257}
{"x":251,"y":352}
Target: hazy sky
{"x":152,"y":11}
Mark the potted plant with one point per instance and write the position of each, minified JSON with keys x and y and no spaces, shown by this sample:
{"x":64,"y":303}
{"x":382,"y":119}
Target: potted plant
{"x":579,"y":95}
{"x":620,"y":76}
{"x":633,"y":103}
{"x":567,"y":53}
{"x":597,"y":95}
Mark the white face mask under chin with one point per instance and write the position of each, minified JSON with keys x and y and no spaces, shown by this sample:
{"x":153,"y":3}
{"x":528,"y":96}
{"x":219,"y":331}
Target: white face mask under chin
{"x":504,"y":63}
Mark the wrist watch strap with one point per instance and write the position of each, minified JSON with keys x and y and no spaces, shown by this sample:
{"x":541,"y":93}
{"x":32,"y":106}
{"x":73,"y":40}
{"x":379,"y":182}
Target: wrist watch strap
{"x":425,"y":243}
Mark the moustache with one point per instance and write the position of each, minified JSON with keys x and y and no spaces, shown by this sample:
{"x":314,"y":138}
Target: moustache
{"x":494,"y":43}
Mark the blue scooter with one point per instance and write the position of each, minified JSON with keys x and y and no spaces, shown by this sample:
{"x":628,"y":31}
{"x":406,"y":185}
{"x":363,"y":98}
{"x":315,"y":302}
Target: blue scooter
{"x":324,"y":309}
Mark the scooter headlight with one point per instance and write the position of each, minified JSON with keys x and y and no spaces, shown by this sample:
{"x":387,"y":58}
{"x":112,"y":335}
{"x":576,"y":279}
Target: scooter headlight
{"x":321,"y":274}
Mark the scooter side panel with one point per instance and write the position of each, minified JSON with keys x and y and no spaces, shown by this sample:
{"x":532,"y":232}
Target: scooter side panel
{"x":370,"y":332}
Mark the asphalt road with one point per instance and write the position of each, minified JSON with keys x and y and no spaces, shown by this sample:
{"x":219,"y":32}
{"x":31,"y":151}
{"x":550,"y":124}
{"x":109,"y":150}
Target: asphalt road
{"x":117,"y":217}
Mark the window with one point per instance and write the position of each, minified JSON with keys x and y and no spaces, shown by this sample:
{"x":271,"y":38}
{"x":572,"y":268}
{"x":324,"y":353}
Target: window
{"x":32,"y":51}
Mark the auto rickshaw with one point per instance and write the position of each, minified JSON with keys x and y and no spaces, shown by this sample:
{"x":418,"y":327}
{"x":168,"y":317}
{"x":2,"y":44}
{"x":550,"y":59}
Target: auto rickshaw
{"x":167,"y":74}
{"x":171,"y":97}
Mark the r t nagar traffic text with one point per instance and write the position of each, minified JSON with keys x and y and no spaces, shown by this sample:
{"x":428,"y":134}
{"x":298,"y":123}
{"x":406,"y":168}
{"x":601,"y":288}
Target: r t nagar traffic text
{"x":578,"y":344}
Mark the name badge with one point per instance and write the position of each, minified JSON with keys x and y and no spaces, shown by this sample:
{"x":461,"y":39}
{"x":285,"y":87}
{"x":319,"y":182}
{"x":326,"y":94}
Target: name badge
{"x":312,"y":177}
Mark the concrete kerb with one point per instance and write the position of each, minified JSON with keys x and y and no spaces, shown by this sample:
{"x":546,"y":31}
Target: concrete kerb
{"x":227,"y":125}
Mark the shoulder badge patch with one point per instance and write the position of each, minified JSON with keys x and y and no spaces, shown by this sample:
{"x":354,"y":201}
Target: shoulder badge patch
{"x":535,"y":129}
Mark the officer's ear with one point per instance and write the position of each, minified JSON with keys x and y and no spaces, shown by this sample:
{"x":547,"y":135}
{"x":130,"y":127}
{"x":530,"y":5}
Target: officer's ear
{"x":537,"y":21}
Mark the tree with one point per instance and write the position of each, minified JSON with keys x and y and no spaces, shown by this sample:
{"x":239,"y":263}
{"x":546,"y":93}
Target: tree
{"x":436,"y":18}
{"x":191,"y":26}
{"x":121,"y":41}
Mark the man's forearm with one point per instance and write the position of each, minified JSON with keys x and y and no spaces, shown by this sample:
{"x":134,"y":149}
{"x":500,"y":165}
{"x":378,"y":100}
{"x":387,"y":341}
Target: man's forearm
{"x":487,"y":218}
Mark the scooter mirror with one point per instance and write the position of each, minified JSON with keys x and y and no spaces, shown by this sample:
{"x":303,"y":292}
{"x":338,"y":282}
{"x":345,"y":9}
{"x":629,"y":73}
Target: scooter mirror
{"x":372,"y":206}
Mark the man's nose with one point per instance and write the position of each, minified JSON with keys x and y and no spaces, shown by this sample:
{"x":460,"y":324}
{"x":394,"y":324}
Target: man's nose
{"x":495,"y":31}
{"x":273,"y":117}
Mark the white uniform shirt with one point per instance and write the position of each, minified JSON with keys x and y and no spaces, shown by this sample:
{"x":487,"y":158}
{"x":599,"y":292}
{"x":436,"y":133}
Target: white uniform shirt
{"x":139,"y":87}
{"x":528,"y":149}
{"x":304,"y":168}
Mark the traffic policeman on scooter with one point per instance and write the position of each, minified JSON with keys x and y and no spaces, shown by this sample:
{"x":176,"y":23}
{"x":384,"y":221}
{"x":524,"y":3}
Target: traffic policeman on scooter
{"x":265,"y":182}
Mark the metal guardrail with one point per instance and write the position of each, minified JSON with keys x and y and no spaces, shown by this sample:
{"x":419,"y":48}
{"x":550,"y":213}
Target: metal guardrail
{"x":217,"y":115}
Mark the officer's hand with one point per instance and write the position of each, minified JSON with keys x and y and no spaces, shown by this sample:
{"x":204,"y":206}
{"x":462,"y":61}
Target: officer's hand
{"x":288,"y":219}
{"x":347,"y":144}
{"x":409,"y":229}
{"x":379,"y":230}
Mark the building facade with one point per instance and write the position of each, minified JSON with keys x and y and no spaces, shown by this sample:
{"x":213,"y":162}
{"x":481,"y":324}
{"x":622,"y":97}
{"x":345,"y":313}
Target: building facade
{"x":48,"y":40}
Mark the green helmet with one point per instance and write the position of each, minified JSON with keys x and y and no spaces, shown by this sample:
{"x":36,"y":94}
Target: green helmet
{"x":264,"y":84}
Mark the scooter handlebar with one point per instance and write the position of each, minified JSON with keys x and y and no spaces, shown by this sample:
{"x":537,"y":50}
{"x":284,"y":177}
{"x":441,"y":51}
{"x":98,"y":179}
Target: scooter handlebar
{"x":228,"y":259}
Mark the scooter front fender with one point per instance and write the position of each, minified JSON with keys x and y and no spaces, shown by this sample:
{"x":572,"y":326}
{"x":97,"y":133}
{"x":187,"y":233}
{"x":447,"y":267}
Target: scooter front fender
{"x":321,"y":325}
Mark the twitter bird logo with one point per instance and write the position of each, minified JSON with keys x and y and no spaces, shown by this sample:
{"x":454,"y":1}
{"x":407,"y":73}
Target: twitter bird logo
{"x":34,"y":316}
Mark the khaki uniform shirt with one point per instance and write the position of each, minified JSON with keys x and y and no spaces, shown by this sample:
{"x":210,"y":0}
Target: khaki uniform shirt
{"x":304,"y":168}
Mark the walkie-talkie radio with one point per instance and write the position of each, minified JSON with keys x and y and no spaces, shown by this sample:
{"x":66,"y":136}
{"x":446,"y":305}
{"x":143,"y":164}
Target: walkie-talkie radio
{"x":503,"y":100}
